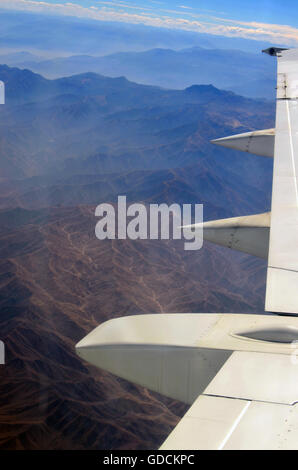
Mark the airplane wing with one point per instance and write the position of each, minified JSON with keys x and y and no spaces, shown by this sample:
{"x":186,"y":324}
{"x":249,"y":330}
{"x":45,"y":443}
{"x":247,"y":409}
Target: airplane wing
{"x":282,"y":143}
{"x":238,"y":372}
{"x":282,"y":274}
{"x":219,"y":420}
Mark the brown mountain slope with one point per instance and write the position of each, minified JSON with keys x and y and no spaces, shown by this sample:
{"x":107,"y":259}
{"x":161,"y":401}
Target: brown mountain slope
{"x":57,"y":283}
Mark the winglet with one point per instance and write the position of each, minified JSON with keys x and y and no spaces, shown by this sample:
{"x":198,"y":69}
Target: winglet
{"x":274,"y":51}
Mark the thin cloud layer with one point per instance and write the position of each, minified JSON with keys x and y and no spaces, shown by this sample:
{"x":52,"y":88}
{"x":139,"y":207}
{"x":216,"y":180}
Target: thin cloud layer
{"x":184,"y":19}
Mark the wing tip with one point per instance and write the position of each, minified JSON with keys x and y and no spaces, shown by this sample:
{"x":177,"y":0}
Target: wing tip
{"x":274,"y":51}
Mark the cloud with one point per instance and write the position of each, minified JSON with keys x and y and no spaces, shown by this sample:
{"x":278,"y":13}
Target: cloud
{"x":122,"y":12}
{"x":122,"y":5}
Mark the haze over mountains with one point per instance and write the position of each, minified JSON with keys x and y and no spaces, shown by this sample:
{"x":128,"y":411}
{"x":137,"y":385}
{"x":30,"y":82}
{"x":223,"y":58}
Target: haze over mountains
{"x":58,"y":47}
{"x":67,"y":145}
{"x":88,"y":124}
{"x":242,"y":72}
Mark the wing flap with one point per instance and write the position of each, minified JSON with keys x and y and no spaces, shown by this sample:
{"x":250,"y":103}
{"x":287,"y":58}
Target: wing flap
{"x":207,"y":424}
{"x":250,"y":404}
{"x":257,"y":376}
{"x":221,"y":423}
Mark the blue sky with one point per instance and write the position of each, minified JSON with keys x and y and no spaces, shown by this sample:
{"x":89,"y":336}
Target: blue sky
{"x":270,"y":20}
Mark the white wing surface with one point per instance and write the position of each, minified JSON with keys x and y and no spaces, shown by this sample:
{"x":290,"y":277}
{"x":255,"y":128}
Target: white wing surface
{"x":221,"y":423}
{"x":239,"y":373}
{"x":282,"y":276}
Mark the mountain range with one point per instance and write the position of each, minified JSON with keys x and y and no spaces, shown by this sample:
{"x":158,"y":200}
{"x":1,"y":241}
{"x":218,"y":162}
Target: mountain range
{"x":67,"y":145}
{"x":245,"y":73}
{"x":85,"y":138}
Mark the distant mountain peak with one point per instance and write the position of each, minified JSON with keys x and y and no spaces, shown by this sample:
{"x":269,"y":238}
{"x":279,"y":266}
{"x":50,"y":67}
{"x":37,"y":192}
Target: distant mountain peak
{"x":202,"y":89}
{"x":192,"y":49}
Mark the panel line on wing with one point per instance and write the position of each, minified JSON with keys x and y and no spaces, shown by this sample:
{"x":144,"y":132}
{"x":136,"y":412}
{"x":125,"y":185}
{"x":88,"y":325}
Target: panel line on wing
{"x":235,"y":424}
{"x":283,"y":269}
{"x":292,"y":150}
{"x":229,"y":397}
